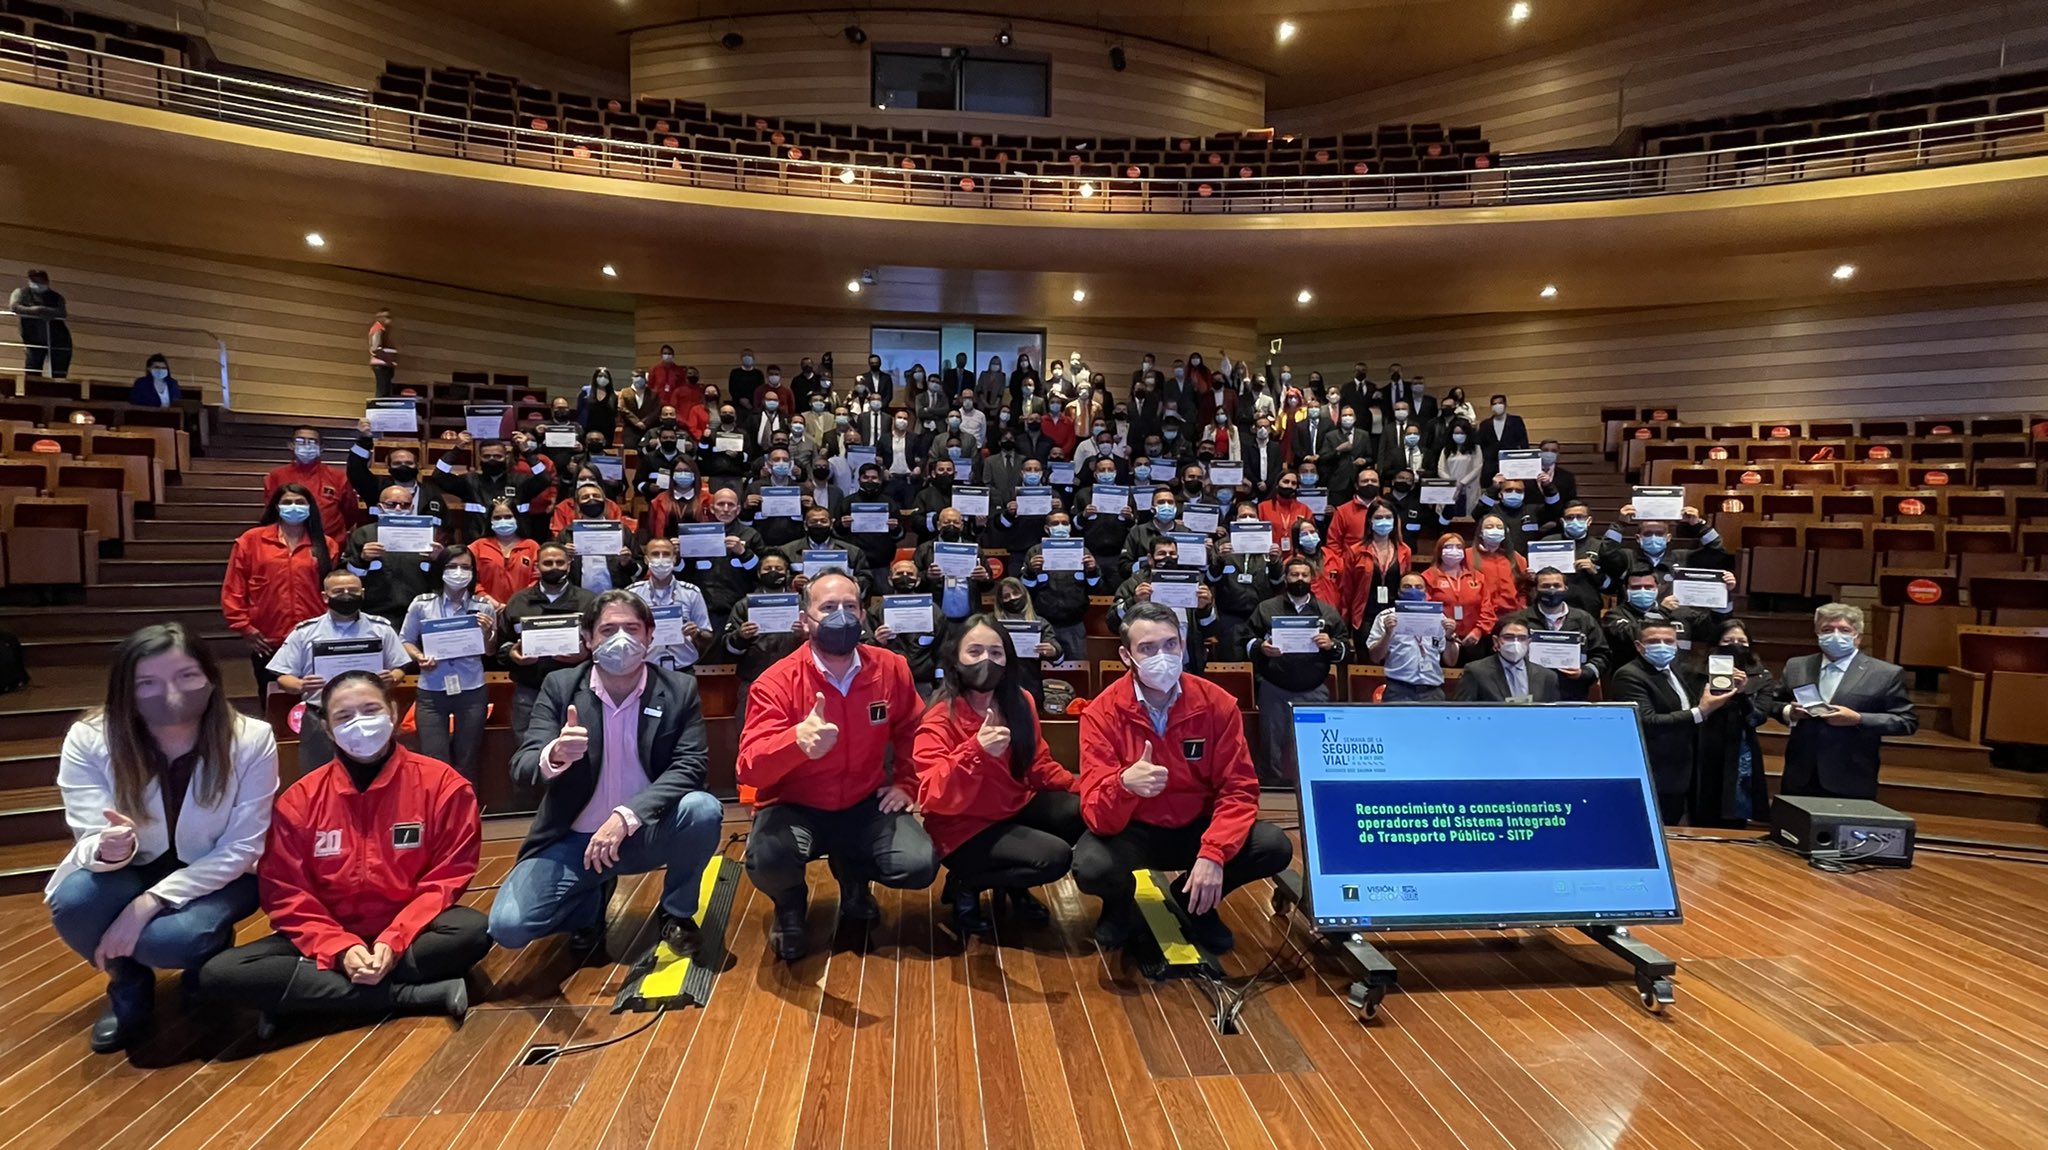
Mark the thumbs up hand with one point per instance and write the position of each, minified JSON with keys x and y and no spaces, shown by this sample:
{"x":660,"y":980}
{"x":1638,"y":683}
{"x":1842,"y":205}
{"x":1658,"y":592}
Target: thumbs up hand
{"x":817,"y":735}
{"x":573,"y":740}
{"x":993,"y":736}
{"x":117,"y":842}
{"x":1145,"y":778}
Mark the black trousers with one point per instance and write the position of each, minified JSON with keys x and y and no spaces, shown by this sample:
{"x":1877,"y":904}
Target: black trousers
{"x":1031,"y":848}
{"x":864,"y":846}
{"x":1103,"y":863}
{"x":380,"y":376}
{"x":271,"y":975}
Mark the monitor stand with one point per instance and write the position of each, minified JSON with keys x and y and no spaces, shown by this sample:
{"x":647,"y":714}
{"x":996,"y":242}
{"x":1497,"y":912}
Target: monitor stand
{"x":1373,"y":974}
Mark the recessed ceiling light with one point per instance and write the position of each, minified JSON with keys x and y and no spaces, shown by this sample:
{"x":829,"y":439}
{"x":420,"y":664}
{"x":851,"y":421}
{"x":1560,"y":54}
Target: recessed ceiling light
{"x":1080,"y":295}
{"x":1549,"y":291}
{"x":846,"y":175}
{"x":1285,"y":31}
{"x":1305,"y":296}
{"x":315,"y":240}
{"x":610,"y":271}
{"x":1845,"y":271}
{"x":1086,"y":190}
{"x":1519,"y":12}
{"x":853,"y":286}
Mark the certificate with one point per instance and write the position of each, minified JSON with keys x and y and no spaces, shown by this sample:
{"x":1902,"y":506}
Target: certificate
{"x":1561,"y":651}
{"x":610,"y":468}
{"x":872,"y":519}
{"x":1193,"y":549}
{"x":907,"y":614}
{"x":1176,"y":587}
{"x":1062,"y":554}
{"x":971,"y":501}
{"x":1666,"y":504}
{"x":659,"y":479}
{"x":668,"y":626}
{"x":773,"y":614}
{"x":1034,"y":501}
{"x":956,"y":560}
{"x":456,"y":637}
{"x":551,"y":637}
{"x":1108,"y":498}
{"x":1201,"y":518}
{"x":484,"y":420}
{"x":331,"y":657}
{"x":558,"y":437}
{"x":1437,"y":492}
{"x":1024,"y":637}
{"x":1696,"y":588}
{"x":820,"y":560}
{"x":1422,"y":620}
{"x":1521,"y":464}
{"x":1558,"y":554}
{"x":782,"y":502}
{"x":1250,"y":537}
{"x":1062,"y":472}
{"x":392,"y":416}
{"x":602,"y":539}
{"x":1225,"y":475}
{"x":700,"y":540}
{"x":596,"y":571}
{"x":729,"y":442}
{"x":408,"y":534}
{"x":1316,"y":499}
{"x":859,"y":455}
{"x":1297,"y":636}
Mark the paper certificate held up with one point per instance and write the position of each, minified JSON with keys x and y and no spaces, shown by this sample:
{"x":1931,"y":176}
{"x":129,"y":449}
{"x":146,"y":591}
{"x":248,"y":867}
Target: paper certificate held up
{"x":1697,"y":588}
{"x":668,"y":626}
{"x":1424,"y":620}
{"x":1296,"y":636}
{"x":907,"y":614}
{"x":1034,"y":501}
{"x":602,"y":539}
{"x":1177,"y":587}
{"x":1201,"y":518}
{"x":956,"y":560}
{"x":700,"y":540}
{"x":1024,"y":637}
{"x":1250,"y":537}
{"x":331,"y":657}
{"x":782,"y":503}
{"x":484,"y":420}
{"x":406,"y":534}
{"x":1561,"y":651}
{"x":819,"y":560}
{"x":729,"y":442}
{"x":1437,"y":492}
{"x":610,"y":468}
{"x":1062,"y":554}
{"x":773,"y":614}
{"x":551,"y":637}
{"x":1224,"y":475}
{"x":1108,"y":498}
{"x":872,"y":519}
{"x":558,"y":437}
{"x":1666,"y":504}
{"x":1553,"y":554}
{"x":392,"y":416}
{"x":456,"y":637}
{"x":1315,"y":499}
{"x":1521,"y":464}
{"x":971,"y":501}
{"x":1194,"y":549}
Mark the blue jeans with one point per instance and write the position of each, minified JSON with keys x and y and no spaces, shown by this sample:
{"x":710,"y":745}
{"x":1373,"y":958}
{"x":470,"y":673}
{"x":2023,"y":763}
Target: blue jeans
{"x":87,"y":902}
{"x":553,"y":891}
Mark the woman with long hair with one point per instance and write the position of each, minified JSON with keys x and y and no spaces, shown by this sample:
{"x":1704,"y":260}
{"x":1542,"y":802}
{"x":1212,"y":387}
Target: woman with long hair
{"x":167,"y":791}
{"x":1452,"y":582}
{"x":1461,"y":463}
{"x":1729,"y":788}
{"x":1003,"y":815}
{"x":597,"y":409}
{"x":1378,"y":561}
{"x":452,"y":689}
{"x":1498,"y":560}
{"x":274,"y":573}
{"x":1018,"y":616}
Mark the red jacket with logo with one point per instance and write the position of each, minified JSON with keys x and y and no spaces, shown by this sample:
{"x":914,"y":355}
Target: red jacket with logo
{"x":1207,"y":761}
{"x":879,"y":712}
{"x":347,"y":868}
{"x":961,"y":790}
{"x":332,"y":494}
{"x":271,"y":586}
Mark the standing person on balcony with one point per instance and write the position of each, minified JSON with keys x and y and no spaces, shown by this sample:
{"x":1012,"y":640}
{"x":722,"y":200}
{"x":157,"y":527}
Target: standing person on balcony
{"x":383,"y":354}
{"x":274,"y":574}
{"x":44,"y":331}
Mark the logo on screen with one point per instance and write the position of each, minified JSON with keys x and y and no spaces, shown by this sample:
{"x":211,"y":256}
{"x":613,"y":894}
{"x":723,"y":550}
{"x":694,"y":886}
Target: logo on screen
{"x":1339,"y":751}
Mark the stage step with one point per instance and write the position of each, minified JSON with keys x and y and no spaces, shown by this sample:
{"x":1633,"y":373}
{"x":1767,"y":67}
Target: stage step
{"x":25,"y":868}
{"x":29,"y":762}
{"x":214,"y":546}
{"x":216,"y":532}
{"x":72,"y":623}
{"x":33,"y":815}
{"x":1933,"y":750}
{"x":98,"y":650}
{"x":209,"y":507}
{"x":164,"y":570}
{"x":190,"y":593}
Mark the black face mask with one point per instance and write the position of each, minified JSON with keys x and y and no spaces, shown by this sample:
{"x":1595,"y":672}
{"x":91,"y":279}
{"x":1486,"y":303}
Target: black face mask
{"x":1367,"y":492}
{"x":870,"y":488}
{"x":494,"y":467}
{"x":821,"y":473}
{"x":1402,"y":489}
{"x":1552,"y":597}
{"x":818,"y":534}
{"x":1012,"y":606}
{"x":1737,"y":651}
{"x":1192,"y":487}
{"x":905,"y":583}
{"x":404,"y":473}
{"x":950,"y":534}
{"x":666,"y":424}
{"x":982,"y":676}
{"x":774,"y":578}
{"x":591,"y":508}
{"x":1297,"y":589}
{"x":562,"y":415}
{"x":346,"y":606}
{"x":942,"y":482}
{"x":554,"y":578}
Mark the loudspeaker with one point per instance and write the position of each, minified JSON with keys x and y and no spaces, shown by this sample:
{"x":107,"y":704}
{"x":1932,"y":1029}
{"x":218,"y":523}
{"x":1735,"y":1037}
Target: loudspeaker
{"x":1843,"y":830}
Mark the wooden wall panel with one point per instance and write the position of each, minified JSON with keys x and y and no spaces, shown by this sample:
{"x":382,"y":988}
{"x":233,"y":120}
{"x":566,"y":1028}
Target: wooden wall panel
{"x":1706,"y":60}
{"x":801,"y":66}
{"x":1964,"y":351}
{"x":296,"y":334}
{"x":348,"y":41}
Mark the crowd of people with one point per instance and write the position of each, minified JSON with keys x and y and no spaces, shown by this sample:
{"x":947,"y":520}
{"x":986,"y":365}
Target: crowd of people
{"x":890,"y":566}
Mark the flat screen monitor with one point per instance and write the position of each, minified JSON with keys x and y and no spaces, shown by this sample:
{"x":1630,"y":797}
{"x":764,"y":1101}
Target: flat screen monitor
{"x":1429,"y":816}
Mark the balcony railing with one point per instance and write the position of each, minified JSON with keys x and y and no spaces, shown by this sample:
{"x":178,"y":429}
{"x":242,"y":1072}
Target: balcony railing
{"x":350,"y":116}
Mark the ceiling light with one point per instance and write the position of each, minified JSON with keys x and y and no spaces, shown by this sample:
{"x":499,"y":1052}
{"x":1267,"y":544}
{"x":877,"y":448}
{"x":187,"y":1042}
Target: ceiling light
{"x":1845,"y":272}
{"x":1003,"y":37}
{"x":853,"y":286}
{"x":731,"y":41}
{"x":1080,"y":295}
{"x":1305,"y":296}
{"x":1086,"y":189}
{"x":1549,"y":291}
{"x":610,"y":271}
{"x":846,"y":175}
{"x":315,"y":240}
{"x":1519,"y":12}
{"x":1285,"y":31}
{"x":855,"y":34}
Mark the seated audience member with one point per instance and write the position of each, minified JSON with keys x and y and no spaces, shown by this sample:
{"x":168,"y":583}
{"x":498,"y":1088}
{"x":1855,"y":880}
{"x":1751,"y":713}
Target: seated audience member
{"x":1729,"y":788}
{"x":1499,"y":566}
{"x":1167,"y":782}
{"x":1550,"y":610}
{"x":1001,"y":812}
{"x":1598,"y":566}
{"x":725,"y":580}
{"x":1061,"y":597}
{"x":620,"y":568}
{"x":1657,"y":548}
{"x":362,"y":878}
{"x":813,"y":746}
{"x":1034,"y":642}
{"x":660,"y":589}
{"x":1240,"y":583}
{"x":451,"y":690}
{"x":156,"y":386}
{"x":297,"y":660}
{"x":920,"y":648}
{"x":1671,"y":702}
{"x":391,"y":579}
{"x":956,"y":594}
{"x":402,"y":470}
{"x":618,"y":750}
{"x":1507,"y":675}
{"x":167,"y":790}
{"x":506,"y":564}
{"x":754,"y":651}
{"x":1415,"y":664}
{"x":327,"y":483}
{"x":1286,"y":678}
{"x":1525,"y":517}
{"x":551,"y":596}
{"x":273,"y":577}
{"x":500,"y":476}
{"x":1834,"y":748}
{"x":1197,"y":623}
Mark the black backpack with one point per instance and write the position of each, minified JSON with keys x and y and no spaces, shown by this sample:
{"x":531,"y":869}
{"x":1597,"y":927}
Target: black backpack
{"x":13,"y":664}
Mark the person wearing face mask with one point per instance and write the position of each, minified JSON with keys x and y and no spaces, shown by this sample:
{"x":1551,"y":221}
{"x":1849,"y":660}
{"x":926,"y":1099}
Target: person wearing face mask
{"x":1146,"y":534}
{"x":1499,"y":431}
{"x":45,"y":336}
{"x":639,"y":407}
{"x":618,"y":751}
{"x":1198,"y":623}
{"x":167,"y":791}
{"x":1556,"y":480}
{"x":391,"y":579}
{"x":827,"y":747}
{"x":560,"y":435}
{"x":1349,"y":518}
{"x":821,"y":533}
{"x":1412,"y":446}
{"x":1377,"y":562}
{"x":1455,"y":407}
{"x":273,"y":577}
{"x":751,"y":650}
{"x":1035,"y":643}
{"x":597,"y":407}
{"x":1526,"y":515}
{"x":767,"y":418}
{"x":1061,"y":597}
{"x":1452,"y":582}
{"x":504,"y":560}
{"x":662,"y":589}
{"x":1671,"y":702}
{"x":957,"y":596}
{"x":1662,"y":548}
{"x":1012,"y":531}
{"x":675,"y":496}
{"x":903,"y":451}
{"x":1002,"y":813}
{"x":1167,"y":781}
{"x":501,"y":474}
{"x":329,"y":485}
{"x":1835,"y":748}
{"x":1729,"y":786}
{"x":553,"y":594}
{"x":388,"y":932}
{"x":451,"y":690}
{"x":991,"y":387}
{"x":401,"y":469}
{"x":1305,"y":435}
{"x":1411,"y":392}
{"x":1507,"y":675}
{"x":879,"y":385}
{"x":617,"y":569}
{"x":1643,"y":601}
{"x":1240,"y":582}
{"x":874,"y":549}
{"x":1461,"y":463}
{"x":920,"y":649}
{"x":296,"y":662}
{"x":1265,"y":458}
{"x":1289,"y":677}
{"x":724,"y":579}
{"x":1598,"y":566}
{"x":1550,"y":609}
{"x":1494,"y":558}
{"x":744,"y":382}
{"x":1284,"y":508}
{"x":973,"y":425}
{"x":777,"y":470}
{"x":156,"y":386}
{"x":1059,"y":427}
{"x":1414,"y":664}
{"x":667,"y":381}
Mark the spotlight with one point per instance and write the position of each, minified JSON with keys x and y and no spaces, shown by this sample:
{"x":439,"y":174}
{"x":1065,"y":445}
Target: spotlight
{"x":855,"y":34}
{"x":1285,"y":31}
{"x":1305,"y":296}
{"x":846,"y":175}
{"x":610,"y":272}
{"x":1549,"y":291}
{"x":1116,"y":58}
{"x":315,"y":240}
{"x":853,"y":286}
{"x":731,"y":41}
{"x":1080,"y":295}
{"x":1844,"y":272}
{"x":1519,"y":12}
{"x":1086,"y":189}
{"x":1003,"y":37}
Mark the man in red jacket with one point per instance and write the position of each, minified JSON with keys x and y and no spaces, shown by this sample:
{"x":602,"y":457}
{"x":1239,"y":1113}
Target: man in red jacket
{"x":818,"y":723}
{"x":332,"y":493}
{"x":1167,"y":782}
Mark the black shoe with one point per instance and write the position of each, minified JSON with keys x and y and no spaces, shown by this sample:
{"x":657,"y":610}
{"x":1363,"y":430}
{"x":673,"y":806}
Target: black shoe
{"x":266,"y":1026}
{"x":448,"y":997}
{"x":786,"y":934}
{"x":967,"y":916}
{"x":131,"y":1006}
{"x":857,"y":904}
{"x":1208,"y":932}
{"x":589,"y":938}
{"x":682,"y":935}
{"x":1117,"y":926}
{"x":1025,"y":907}
{"x":116,"y":1031}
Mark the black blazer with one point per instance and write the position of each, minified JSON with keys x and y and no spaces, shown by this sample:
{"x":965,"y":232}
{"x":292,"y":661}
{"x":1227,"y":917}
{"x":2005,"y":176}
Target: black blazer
{"x":1486,"y":681}
{"x":1842,"y":762}
{"x":673,"y":750}
{"x":1669,"y":733}
{"x":1514,"y":434}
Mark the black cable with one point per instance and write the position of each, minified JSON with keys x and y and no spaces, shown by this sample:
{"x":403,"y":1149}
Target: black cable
{"x":581,"y":1048}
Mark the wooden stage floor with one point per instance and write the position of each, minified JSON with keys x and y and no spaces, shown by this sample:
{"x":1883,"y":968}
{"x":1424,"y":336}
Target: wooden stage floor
{"x":1881,"y":1010}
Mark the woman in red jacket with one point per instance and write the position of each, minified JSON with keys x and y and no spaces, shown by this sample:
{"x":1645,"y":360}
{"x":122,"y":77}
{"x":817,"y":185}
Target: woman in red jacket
{"x":362,"y":877}
{"x":505,"y":563}
{"x":1002,"y":815}
{"x":274,"y":573}
{"x":1500,"y":567}
{"x":1453,"y":582}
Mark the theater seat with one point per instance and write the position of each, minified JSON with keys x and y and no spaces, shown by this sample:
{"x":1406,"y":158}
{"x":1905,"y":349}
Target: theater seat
{"x":50,"y":542}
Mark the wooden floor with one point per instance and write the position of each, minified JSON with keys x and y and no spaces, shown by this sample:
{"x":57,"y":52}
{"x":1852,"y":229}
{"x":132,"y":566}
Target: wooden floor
{"x":1882,"y":1010}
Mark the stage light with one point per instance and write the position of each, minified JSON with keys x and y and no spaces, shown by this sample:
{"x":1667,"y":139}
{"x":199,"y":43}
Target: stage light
{"x":731,"y":41}
{"x":855,"y":34}
{"x":1003,"y":37}
{"x":846,"y":175}
{"x":1116,"y":58}
{"x":610,"y":272}
{"x":1549,"y":291}
{"x":1844,"y":272}
{"x":1285,"y":31}
{"x":1519,"y":12}
{"x":1086,"y":190}
{"x":315,"y":240}
{"x":853,"y":286}
{"x":1080,"y":295}
{"x":1305,"y":296}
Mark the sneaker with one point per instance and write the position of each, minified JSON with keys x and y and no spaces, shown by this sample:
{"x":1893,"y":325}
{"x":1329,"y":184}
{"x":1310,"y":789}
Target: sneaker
{"x":1208,"y":932}
{"x":682,"y":935}
{"x":857,"y":904}
{"x":786,"y":934}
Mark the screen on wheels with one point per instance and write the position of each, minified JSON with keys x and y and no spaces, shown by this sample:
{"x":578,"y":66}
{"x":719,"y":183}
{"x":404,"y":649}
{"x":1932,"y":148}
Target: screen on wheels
{"x":1428,"y":816}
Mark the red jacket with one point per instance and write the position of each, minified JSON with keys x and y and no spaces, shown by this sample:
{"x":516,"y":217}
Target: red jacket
{"x":501,"y":575}
{"x":1471,"y":608}
{"x":1365,"y":576}
{"x":963,"y":791}
{"x":1208,"y":763}
{"x":666,"y":512}
{"x":1061,"y":430}
{"x":1282,"y":513}
{"x":271,"y":587}
{"x":1502,"y":572}
{"x":667,"y":381}
{"x":880,"y":711}
{"x":347,"y":868}
{"x":1350,"y":524}
{"x":331,"y":494}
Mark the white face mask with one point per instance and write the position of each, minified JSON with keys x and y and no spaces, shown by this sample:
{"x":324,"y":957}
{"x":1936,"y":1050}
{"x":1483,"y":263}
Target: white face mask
{"x":1514,"y":650}
{"x":456,"y":578}
{"x":1160,"y":672}
{"x":621,"y":654}
{"x":363,"y":737}
{"x":661,"y":568}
